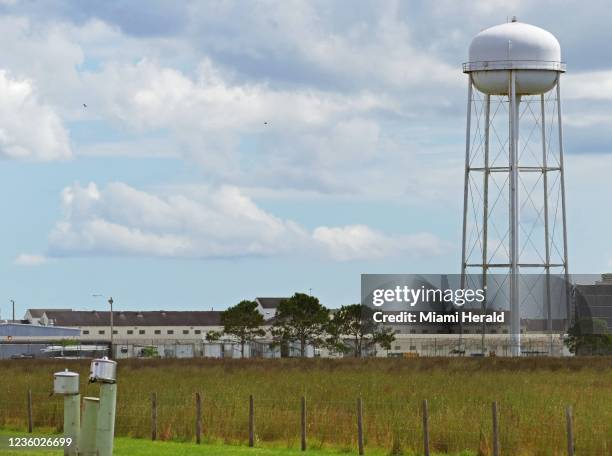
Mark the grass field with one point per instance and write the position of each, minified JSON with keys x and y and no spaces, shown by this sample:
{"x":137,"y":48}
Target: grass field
{"x":125,"y":446}
{"x":532,"y":394}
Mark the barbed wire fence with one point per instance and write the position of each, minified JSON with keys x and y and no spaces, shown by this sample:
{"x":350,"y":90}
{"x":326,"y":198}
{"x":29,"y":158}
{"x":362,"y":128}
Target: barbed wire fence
{"x":349,"y":425}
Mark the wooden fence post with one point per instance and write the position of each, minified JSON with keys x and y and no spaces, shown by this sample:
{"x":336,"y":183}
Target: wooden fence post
{"x":303,"y":422}
{"x":153,"y":416}
{"x":198,"y":420}
{"x":425,"y":428}
{"x":570,"y":430}
{"x":30,"y":420}
{"x":360,"y":425}
{"x":495,"y":430}
{"x":251,"y":422}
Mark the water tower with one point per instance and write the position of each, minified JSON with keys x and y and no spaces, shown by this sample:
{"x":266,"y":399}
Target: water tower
{"x":514,"y":220}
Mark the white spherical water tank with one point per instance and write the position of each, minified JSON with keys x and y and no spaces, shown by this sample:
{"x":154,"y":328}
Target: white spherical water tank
{"x":533,"y":53}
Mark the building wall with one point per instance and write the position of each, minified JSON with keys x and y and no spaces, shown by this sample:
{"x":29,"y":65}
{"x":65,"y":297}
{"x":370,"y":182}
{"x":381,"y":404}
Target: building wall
{"x":17,"y":331}
{"x":137,"y":333}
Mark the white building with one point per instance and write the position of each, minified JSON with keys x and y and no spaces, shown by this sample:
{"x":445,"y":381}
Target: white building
{"x":267,"y":306}
{"x":33,"y":316}
{"x":183,"y":334}
{"x":163,"y":333}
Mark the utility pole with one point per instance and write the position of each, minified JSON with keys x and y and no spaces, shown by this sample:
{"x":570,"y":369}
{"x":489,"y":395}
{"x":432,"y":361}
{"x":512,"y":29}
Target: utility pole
{"x":110,"y":301}
{"x":112,"y":328}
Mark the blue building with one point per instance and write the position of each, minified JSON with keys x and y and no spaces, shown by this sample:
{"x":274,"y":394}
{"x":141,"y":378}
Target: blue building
{"x":22,"y":339}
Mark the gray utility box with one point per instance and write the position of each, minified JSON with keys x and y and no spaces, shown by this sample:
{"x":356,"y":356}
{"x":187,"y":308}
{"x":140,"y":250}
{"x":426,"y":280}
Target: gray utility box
{"x":103,"y":370}
{"x":66,"y":382}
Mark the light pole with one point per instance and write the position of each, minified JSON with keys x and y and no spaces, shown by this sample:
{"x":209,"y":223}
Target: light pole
{"x":112,"y":328}
{"x":13,"y":302}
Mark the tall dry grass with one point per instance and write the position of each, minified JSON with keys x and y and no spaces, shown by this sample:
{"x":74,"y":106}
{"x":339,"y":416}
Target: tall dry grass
{"x":532,"y":394}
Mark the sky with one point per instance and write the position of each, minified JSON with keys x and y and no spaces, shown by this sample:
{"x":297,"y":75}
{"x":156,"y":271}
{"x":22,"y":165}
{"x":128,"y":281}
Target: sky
{"x":188,"y":155}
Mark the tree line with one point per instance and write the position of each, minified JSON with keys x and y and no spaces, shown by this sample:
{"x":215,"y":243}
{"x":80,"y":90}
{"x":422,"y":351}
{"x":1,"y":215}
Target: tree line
{"x":302,"y":321}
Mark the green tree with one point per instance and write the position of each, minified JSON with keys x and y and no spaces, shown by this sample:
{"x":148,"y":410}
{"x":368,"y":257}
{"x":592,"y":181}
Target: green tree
{"x":589,"y":336}
{"x":353,"y":328}
{"x":301,"y":318}
{"x":213,"y":336}
{"x":244,"y":322}
{"x":150,"y":352}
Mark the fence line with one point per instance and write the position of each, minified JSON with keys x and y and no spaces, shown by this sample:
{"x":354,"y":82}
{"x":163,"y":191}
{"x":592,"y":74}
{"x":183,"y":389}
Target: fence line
{"x":497,"y":436}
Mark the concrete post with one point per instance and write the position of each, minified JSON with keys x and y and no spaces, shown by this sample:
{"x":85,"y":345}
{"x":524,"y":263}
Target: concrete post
{"x":72,"y":422}
{"x":105,"y":427}
{"x":87,"y":446}
{"x":66,"y":383}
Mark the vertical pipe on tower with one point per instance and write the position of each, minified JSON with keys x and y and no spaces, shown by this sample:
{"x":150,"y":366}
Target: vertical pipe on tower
{"x":515,"y":317}
{"x":466,"y":186}
{"x":485,"y":213}
{"x":563,"y":212}
{"x":546,"y":229}
{"x":466,"y":179}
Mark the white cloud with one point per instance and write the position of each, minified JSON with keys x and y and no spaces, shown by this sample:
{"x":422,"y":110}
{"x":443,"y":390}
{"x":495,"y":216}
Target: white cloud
{"x":581,"y":119}
{"x":46,"y":53}
{"x":592,"y":85}
{"x":29,"y":129}
{"x":332,"y":138}
{"x":30,"y":259}
{"x":258,"y":135}
{"x":363,"y":103}
{"x":368,"y":45}
{"x":356,"y":242}
{"x":212,"y":223}
{"x":381,"y":52}
{"x":149,"y":95}
{"x":137,"y":148}
{"x":121,"y":220}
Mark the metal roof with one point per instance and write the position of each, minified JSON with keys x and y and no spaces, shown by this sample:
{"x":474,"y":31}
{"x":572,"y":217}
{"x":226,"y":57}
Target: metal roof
{"x":134,"y":318}
{"x":37,"y":313}
{"x":269,"y":303}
